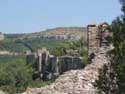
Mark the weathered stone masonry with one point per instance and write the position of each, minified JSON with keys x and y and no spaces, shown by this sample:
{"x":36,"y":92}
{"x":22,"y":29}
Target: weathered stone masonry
{"x":97,"y":38}
{"x":81,"y":81}
{"x":49,"y":66}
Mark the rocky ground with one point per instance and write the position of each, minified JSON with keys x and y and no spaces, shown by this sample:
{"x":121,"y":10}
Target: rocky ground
{"x":1,"y":92}
{"x":75,"y":81}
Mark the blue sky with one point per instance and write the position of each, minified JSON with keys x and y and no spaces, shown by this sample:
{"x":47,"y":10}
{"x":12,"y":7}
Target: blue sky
{"x":25,"y":16}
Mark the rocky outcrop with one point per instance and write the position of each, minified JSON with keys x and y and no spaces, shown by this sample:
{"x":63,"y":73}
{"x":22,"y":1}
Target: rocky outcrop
{"x":59,"y":33}
{"x":76,"y":81}
{"x":1,"y":92}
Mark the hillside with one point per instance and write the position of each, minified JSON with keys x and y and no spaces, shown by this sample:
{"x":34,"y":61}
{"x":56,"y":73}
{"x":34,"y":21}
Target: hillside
{"x":58,"y":33}
{"x":50,"y":38}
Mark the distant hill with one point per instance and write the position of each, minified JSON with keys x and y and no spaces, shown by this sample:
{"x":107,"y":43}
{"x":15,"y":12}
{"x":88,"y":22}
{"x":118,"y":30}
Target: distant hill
{"x":49,"y":38}
{"x":59,"y":33}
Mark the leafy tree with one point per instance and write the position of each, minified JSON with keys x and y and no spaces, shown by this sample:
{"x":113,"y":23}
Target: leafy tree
{"x":15,"y":76}
{"x":106,"y":83}
{"x":118,"y":58}
{"x":118,"y":28}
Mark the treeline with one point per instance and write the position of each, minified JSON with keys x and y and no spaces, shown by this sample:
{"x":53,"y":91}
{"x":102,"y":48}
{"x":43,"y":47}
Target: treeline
{"x":13,"y":45}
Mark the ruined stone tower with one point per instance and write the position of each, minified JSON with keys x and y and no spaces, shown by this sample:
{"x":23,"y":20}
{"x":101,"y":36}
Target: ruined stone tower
{"x":103,"y":33}
{"x":97,"y":35}
{"x":1,"y":36}
{"x":93,"y":38}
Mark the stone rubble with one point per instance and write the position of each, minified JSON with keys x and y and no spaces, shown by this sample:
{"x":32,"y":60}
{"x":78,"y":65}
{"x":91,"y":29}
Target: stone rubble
{"x":1,"y":92}
{"x":75,"y":81}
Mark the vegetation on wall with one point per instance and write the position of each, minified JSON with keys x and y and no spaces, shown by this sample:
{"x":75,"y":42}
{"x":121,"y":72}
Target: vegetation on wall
{"x":112,"y":79}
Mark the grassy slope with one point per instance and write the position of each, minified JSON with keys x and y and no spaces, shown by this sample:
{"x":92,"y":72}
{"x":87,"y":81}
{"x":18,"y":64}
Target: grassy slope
{"x":11,"y":45}
{"x":7,"y":59}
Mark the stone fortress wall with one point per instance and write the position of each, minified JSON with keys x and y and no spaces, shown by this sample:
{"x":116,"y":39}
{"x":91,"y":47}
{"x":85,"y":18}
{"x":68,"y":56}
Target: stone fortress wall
{"x":82,"y":81}
{"x":97,"y":35}
{"x":49,"y":66}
